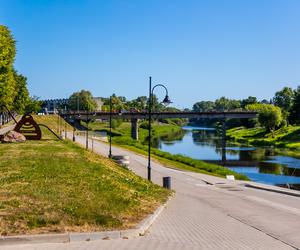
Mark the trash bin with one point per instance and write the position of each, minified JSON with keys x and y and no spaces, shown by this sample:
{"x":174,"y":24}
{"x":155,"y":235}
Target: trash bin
{"x":167,"y":182}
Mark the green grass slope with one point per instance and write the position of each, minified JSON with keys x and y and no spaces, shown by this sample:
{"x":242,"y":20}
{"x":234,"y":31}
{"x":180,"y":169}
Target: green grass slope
{"x":57,"y":186}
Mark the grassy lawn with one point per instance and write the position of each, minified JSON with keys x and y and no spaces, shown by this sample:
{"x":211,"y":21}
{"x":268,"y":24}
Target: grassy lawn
{"x":56,"y":123}
{"x":286,"y":137}
{"x":57,"y":186}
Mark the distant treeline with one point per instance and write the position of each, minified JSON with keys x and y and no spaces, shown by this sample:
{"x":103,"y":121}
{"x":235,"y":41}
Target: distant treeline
{"x":281,"y":110}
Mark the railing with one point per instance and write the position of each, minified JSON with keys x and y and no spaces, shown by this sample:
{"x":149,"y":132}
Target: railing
{"x":5,"y":117}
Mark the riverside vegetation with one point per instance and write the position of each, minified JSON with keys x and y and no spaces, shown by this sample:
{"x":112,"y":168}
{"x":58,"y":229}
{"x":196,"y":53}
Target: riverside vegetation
{"x":286,"y":140}
{"x":57,"y":186}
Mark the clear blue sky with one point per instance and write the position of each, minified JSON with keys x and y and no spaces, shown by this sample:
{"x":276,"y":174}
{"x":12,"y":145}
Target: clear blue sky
{"x":200,"y":49}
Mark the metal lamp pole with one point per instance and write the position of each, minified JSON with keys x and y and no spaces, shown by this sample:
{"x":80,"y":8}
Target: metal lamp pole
{"x":74,"y":129}
{"x":110,"y":110}
{"x":87,"y":131}
{"x":166,"y":101}
{"x":65,"y":127}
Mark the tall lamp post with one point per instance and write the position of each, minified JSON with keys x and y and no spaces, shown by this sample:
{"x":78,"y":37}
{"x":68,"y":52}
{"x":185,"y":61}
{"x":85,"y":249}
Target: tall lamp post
{"x":87,"y":131}
{"x":166,"y":101}
{"x":74,"y":129}
{"x":110,"y":110}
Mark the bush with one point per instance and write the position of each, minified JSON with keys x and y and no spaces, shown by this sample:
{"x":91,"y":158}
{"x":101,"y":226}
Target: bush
{"x":144,"y":125}
{"x":269,"y":116}
{"x":115,"y":123}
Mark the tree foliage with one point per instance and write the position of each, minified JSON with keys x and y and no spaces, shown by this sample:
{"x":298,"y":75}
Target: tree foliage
{"x":203,"y":106}
{"x":225,"y":104}
{"x":269,"y":116}
{"x":33,"y":105}
{"x":82,"y":100}
{"x":249,"y":100}
{"x":284,"y":98}
{"x":295,"y":110}
{"x":7,"y":56}
{"x":22,"y":99}
{"x":13,"y":86}
{"x":7,"y":48}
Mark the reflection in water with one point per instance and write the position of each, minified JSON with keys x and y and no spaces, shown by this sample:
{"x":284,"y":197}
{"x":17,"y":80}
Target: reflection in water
{"x":262,"y":164}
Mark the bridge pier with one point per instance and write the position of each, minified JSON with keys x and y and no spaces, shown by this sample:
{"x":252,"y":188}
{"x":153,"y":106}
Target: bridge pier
{"x":223,"y":140}
{"x":135,"y":129}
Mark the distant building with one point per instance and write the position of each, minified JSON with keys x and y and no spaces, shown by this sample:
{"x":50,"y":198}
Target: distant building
{"x":53,"y":105}
{"x":99,"y":102}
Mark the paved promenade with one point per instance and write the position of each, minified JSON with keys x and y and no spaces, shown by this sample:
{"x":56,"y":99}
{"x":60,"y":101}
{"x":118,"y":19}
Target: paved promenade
{"x":6,"y":129}
{"x":225,"y":215}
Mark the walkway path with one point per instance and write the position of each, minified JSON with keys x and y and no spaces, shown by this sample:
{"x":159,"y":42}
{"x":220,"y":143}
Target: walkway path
{"x":225,"y":215}
{"x":6,"y":129}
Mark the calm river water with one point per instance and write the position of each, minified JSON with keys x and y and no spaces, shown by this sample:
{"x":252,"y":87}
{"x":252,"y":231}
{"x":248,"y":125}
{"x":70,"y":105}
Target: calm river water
{"x":259,"y":164}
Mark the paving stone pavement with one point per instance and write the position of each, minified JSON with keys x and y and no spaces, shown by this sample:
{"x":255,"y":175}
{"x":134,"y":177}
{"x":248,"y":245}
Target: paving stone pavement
{"x":201,"y":216}
{"x":6,"y":129}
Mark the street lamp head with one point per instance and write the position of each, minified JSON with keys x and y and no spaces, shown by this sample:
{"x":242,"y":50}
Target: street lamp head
{"x":166,"y":100}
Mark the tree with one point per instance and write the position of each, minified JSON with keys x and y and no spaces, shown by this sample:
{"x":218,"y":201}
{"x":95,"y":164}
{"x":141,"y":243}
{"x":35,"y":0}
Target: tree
{"x":295,"y":109}
{"x":203,"y":106}
{"x":34,"y":105}
{"x":249,"y":100}
{"x":82,"y":100}
{"x":7,"y":48}
{"x":269,"y":116}
{"x":7,"y":56}
{"x":284,"y":99}
{"x":139,"y":104}
{"x":225,"y":104}
{"x":22,"y":98}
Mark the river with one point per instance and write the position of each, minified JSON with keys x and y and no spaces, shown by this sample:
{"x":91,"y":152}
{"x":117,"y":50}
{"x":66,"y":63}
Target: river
{"x":260,"y":164}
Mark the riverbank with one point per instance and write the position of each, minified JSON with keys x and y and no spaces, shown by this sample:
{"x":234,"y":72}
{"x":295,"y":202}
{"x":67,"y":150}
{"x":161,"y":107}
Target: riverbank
{"x":286,"y":140}
{"x":57,"y":186}
{"x":121,"y":137}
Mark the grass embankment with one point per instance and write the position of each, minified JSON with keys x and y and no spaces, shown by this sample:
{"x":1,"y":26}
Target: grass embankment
{"x":123,"y":139}
{"x":286,"y":137}
{"x":286,"y":140}
{"x":57,"y":186}
{"x":54,"y":122}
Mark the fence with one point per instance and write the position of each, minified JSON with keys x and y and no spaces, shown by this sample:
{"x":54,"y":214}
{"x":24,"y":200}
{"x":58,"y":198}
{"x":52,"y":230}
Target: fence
{"x":5,"y":117}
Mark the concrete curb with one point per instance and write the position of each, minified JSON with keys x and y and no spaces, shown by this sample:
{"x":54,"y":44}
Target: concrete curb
{"x":271,"y":189}
{"x":140,"y":230}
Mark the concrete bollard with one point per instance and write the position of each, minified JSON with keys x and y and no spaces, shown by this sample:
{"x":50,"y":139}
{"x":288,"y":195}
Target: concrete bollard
{"x":123,"y":160}
{"x":167,"y":182}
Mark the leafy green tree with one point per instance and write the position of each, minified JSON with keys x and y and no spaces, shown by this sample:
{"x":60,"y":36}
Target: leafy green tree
{"x":139,"y":104}
{"x":294,"y":116}
{"x":203,"y":106}
{"x":284,"y":99}
{"x":82,"y":100}
{"x":249,"y":100}
{"x":225,"y":104}
{"x":269,"y":116}
{"x":7,"y":48}
{"x":22,"y":98}
{"x":34,"y":105}
{"x":7,"y":56}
